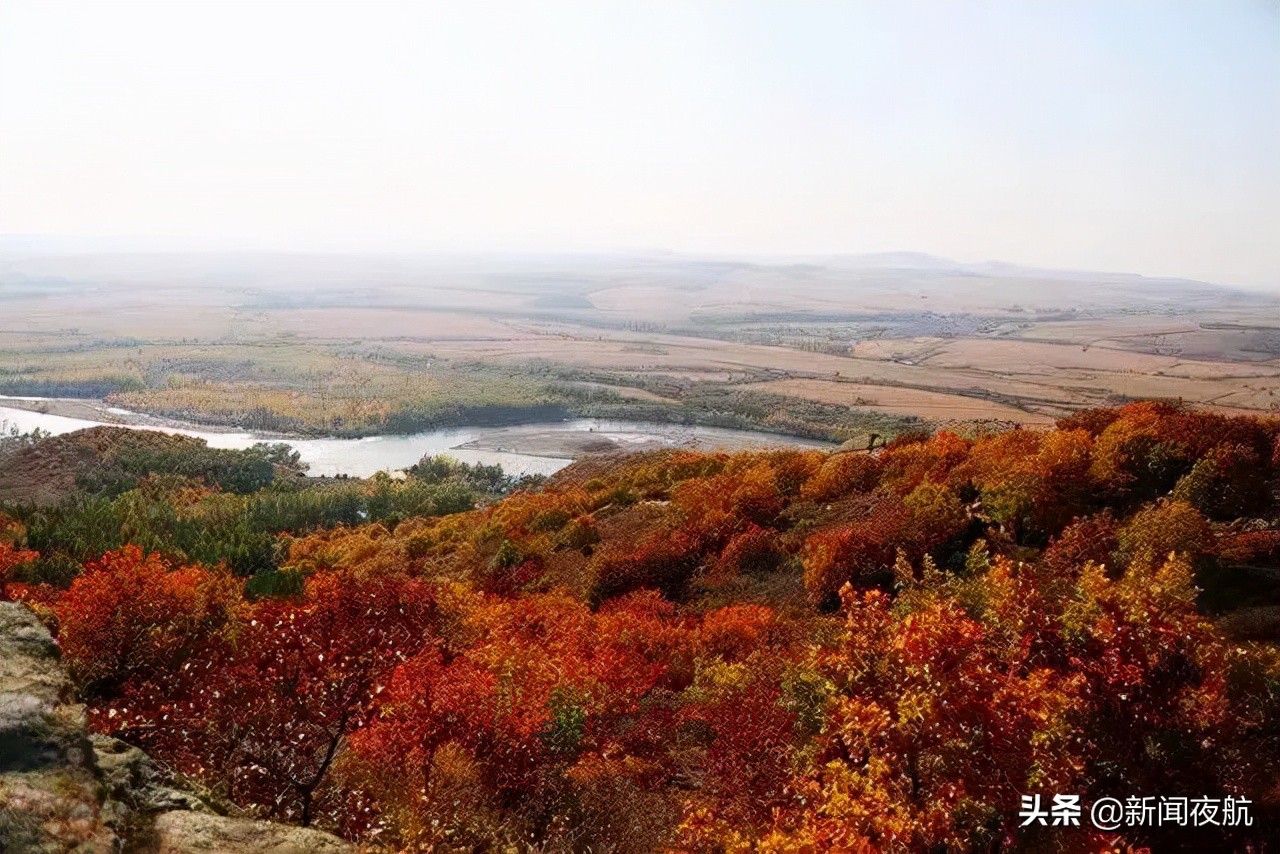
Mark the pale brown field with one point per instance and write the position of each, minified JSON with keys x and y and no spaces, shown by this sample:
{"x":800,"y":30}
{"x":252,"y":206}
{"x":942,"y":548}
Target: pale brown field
{"x":902,"y":401}
{"x":323,"y":338}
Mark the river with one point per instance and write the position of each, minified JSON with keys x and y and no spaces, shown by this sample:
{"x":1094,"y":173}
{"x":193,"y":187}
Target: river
{"x":526,"y":449}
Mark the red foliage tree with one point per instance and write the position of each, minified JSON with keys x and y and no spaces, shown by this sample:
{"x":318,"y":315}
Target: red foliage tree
{"x":905,"y":466}
{"x":10,"y":559}
{"x":132,"y":617}
{"x":264,"y":712}
{"x":1093,"y":538}
{"x":662,"y":560}
{"x":716,"y":507}
{"x":543,"y":683}
{"x":930,"y":731}
{"x":861,"y":552}
{"x":753,"y":550}
{"x":748,"y":764}
{"x":1258,"y":548}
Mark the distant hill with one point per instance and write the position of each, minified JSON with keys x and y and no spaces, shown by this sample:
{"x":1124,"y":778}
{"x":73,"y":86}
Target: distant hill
{"x":900,"y":261}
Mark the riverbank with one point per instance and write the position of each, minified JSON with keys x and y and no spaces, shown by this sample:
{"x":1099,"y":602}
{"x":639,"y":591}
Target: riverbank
{"x":538,"y":448}
{"x":100,"y":412}
{"x":583,"y":437}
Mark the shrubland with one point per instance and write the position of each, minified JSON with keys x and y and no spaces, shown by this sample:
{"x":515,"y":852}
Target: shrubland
{"x":778,"y":651}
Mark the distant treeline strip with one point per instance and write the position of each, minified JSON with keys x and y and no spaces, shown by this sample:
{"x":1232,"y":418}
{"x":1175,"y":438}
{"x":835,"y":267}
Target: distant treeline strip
{"x":93,"y":389}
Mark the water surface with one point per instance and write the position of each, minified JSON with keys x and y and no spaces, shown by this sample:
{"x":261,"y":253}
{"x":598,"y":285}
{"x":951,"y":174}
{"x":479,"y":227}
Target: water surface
{"x":363,"y":457}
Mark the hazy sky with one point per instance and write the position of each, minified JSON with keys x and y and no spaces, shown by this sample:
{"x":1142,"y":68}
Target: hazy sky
{"x":1136,"y":136}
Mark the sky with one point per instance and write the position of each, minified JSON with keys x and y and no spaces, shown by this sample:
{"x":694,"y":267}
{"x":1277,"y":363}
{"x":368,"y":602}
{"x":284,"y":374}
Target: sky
{"x":1117,"y":135}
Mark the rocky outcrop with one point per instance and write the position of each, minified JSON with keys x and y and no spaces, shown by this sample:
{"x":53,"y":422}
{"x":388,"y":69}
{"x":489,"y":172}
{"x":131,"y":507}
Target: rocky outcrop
{"x":62,"y":790}
{"x":188,"y":832}
{"x":49,"y":794}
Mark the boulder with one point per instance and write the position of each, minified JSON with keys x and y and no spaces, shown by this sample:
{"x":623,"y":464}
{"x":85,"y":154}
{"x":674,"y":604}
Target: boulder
{"x":49,"y":793}
{"x":191,"y":832}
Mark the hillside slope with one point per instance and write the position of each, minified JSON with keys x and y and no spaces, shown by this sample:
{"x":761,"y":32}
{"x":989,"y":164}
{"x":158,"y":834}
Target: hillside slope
{"x":784,"y":650}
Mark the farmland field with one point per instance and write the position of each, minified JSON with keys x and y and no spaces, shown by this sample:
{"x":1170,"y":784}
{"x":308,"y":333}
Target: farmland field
{"x":837,"y":349}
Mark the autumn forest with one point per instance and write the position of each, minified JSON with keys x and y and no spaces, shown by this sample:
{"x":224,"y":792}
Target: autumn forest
{"x":790,"y":650}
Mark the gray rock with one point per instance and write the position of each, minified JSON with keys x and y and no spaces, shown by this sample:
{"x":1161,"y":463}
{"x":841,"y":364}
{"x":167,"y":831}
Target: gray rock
{"x":52,"y":811}
{"x":49,"y":795}
{"x":131,"y":778}
{"x":122,"y":766}
{"x":190,"y":832}
{"x":29,"y":658}
{"x":37,"y":727}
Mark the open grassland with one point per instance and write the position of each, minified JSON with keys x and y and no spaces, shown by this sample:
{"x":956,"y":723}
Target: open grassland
{"x":345,"y":346}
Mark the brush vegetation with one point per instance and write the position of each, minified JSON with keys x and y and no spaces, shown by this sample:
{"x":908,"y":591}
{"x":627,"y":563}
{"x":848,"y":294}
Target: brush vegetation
{"x":781,"y":651}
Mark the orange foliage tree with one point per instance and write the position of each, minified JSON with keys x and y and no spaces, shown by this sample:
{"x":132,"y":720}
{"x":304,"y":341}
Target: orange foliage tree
{"x":133,"y":616}
{"x":10,"y":559}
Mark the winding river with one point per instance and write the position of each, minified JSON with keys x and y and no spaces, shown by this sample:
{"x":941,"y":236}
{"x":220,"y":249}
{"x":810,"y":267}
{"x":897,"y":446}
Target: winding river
{"x":524,"y":449}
